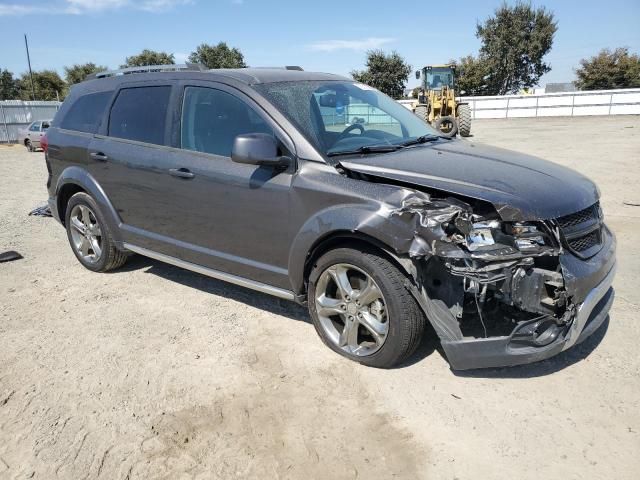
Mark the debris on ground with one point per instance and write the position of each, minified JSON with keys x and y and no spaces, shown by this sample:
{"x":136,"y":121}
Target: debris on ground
{"x":10,"y":256}
{"x":43,"y":211}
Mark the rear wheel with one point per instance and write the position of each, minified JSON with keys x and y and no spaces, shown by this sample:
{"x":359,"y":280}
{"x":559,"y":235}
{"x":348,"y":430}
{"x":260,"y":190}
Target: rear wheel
{"x":89,"y":235}
{"x":447,"y":126}
{"x":423,"y":112}
{"x":464,"y":120}
{"x":361,"y":308}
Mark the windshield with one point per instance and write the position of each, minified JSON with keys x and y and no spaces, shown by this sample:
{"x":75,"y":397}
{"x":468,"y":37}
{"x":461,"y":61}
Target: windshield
{"x":439,"y":77}
{"x":342,"y":117}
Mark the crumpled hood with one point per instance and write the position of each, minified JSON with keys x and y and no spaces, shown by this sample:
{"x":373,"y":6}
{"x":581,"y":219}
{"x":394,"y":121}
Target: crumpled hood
{"x":521,"y":187}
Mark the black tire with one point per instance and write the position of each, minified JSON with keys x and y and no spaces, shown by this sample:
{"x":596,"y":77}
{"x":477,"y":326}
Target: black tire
{"x":422,"y":112}
{"x":405,"y":317}
{"x":442,"y":122}
{"x":464,"y":120}
{"x":29,"y":146}
{"x":110,"y":258}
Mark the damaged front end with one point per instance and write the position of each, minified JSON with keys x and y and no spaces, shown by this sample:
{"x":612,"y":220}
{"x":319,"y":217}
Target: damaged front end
{"x":504,"y":293}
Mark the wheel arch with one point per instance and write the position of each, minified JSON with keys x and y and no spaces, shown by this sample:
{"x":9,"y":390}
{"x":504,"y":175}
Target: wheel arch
{"x":351,"y":239}
{"x":75,"y":179}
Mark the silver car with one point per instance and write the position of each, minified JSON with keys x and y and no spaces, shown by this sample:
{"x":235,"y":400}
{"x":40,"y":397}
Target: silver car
{"x":30,"y":136}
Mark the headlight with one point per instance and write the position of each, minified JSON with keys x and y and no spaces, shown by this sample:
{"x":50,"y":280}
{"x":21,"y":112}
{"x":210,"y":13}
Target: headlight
{"x":528,"y":237}
{"x":481,"y":234}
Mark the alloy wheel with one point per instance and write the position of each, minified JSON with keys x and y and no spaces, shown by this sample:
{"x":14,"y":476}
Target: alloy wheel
{"x":351,"y":309}
{"x":86,"y":233}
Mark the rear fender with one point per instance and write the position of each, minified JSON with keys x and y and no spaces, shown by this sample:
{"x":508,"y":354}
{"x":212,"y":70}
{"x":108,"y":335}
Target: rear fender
{"x":78,"y":176}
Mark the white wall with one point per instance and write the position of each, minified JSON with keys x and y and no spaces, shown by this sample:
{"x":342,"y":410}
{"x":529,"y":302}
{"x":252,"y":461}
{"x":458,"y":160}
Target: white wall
{"x":595,"y":102}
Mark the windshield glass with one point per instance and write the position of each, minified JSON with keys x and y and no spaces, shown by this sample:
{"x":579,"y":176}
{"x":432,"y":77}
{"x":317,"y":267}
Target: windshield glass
{"x":439,"y":77}
{"x":342,"y":116}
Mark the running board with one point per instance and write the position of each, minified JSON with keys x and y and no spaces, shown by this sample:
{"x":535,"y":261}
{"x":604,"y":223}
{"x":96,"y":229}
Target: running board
{"x":209,"y":272}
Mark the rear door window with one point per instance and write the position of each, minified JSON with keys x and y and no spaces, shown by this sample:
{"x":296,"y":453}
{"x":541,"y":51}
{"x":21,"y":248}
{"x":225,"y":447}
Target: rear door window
{"x":212,"y":119}
{"x":140,"y":114}
{"x":86,"y":113}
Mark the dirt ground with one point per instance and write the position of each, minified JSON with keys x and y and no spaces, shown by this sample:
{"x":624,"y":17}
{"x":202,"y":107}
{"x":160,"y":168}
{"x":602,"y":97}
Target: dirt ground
{"x":155,"y":372}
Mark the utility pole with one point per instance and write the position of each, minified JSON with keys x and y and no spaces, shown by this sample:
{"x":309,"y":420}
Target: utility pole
{"x":33,"y":88}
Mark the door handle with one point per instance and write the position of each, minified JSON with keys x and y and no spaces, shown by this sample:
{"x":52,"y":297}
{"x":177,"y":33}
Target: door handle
{"x":181,"y":173}
{"x":101,"y":157}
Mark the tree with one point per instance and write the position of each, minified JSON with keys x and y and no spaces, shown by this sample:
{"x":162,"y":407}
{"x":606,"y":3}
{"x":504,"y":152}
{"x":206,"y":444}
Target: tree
{"x":149,"y":57}
{"x":47,"y":83}
{"x":218,"y":56}
{"x":606,"y":70}
{"x":514,"y":43}
{"x":471,"y":75}
{"x":8,"y":86}
{"x":386,"y":72}
{"x":78,"y":72}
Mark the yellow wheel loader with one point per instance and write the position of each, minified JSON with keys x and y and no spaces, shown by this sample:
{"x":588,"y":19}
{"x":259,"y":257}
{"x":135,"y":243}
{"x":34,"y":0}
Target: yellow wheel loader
{"x":436,"y":102}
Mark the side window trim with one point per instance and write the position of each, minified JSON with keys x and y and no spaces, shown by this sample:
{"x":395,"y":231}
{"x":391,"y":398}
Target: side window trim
{"x":280,"y":133}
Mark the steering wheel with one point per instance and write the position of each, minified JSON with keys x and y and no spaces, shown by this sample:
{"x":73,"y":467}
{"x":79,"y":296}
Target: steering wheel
{"x":348,"y":130}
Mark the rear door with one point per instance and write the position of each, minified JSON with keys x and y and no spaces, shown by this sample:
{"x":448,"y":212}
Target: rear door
{"x":125,"y":154}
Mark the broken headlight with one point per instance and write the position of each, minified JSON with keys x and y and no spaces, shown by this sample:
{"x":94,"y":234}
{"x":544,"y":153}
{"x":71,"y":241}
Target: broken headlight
{"x":481,"y":234}
{"x":527,"y":236}
{"x":477,"y":234}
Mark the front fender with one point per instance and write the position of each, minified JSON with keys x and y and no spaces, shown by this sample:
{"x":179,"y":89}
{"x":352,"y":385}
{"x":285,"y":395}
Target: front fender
{"x":376,"y":222}
{"x":79,"y":177}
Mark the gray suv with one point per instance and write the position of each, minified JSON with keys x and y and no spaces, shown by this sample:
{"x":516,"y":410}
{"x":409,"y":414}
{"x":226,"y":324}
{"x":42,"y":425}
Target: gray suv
{"x":321,"y":190}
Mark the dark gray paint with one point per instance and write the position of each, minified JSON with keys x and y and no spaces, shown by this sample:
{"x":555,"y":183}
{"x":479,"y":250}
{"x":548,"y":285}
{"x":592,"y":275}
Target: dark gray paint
{"x":262,"y":223}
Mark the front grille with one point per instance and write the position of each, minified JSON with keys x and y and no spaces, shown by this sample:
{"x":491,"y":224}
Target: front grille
{"x":582,"y":231}
{"x":582,"y":244}
{"x":574,"y":219}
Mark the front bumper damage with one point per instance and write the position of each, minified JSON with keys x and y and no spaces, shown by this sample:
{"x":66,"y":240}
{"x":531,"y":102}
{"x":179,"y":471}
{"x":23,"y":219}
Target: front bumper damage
{"x":500,"y":306}
{"x":509,"y":350}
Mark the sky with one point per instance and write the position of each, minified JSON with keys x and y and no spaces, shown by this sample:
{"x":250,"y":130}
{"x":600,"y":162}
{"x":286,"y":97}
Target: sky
{"x":328,"y":35}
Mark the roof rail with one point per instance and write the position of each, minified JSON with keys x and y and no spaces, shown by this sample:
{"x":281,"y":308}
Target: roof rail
{"x":286,"y":67}
{"x":193,"y":67}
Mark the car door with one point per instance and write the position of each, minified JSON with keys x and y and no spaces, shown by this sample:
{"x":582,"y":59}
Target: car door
{"x":190,"y":201}
{"x":123,"y":155}
{"x":229,"y":216}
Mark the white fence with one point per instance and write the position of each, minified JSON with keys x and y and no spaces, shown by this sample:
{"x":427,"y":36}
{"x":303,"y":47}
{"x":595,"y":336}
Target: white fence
{"x":566,"y":104}
{"x":17,"y":114}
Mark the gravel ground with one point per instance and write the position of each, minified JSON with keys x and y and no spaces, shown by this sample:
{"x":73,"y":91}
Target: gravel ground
{"x":156,"y":372}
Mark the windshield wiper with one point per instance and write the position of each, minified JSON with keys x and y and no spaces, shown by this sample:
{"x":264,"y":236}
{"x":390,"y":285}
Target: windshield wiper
{"x":422,"y":139}
{"x":367,"y":149}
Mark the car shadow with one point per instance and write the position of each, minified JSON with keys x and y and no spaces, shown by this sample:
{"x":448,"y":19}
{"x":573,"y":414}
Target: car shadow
{"x":545,"y":367}
{"x":220,"y":288}
{"x":256,"y":299}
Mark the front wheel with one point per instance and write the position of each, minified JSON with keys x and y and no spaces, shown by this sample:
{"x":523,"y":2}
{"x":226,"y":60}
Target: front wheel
{"x":29,"y":146}
{"x":361,"y":308}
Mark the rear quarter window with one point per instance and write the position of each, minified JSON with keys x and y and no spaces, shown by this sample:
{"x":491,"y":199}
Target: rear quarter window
{"x":86,"y":112}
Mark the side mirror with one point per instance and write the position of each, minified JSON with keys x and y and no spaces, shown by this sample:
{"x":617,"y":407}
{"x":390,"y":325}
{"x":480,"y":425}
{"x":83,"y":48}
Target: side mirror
{"x":257,"y":149}
{"x":417,"y":74}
